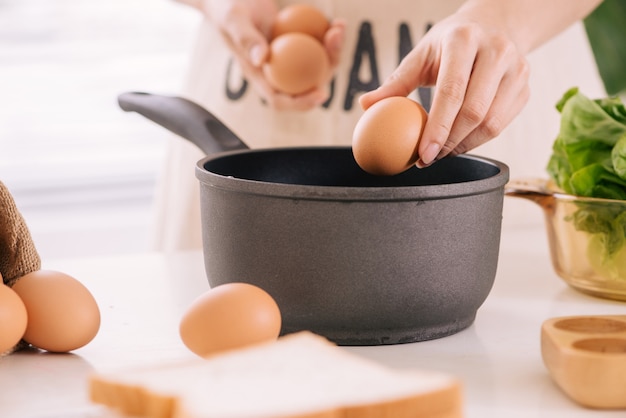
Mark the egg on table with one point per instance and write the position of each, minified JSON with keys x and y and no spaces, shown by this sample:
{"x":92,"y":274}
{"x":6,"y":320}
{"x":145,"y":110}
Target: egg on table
{"x":13,"y":318}
{"x":386,"y":136}
{"x":62,"y":313}
{"x":230,"y":316}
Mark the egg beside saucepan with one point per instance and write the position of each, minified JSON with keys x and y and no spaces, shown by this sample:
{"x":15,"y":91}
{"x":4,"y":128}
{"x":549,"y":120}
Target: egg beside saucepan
{"x":13,"y":318}
{"x":62,"y":314}
{"x":230,"y":316}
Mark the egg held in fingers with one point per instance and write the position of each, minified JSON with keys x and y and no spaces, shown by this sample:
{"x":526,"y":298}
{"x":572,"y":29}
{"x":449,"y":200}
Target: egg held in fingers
{"x":302,"y":18}
{"x":386,"y":137}
{"x":297,"y":64}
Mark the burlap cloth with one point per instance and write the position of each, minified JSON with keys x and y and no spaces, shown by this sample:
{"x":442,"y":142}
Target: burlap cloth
{"x":18,"y":255}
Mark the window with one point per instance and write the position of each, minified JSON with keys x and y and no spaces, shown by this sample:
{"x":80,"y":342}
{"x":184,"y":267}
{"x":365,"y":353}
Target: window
{"x":82,"y":171}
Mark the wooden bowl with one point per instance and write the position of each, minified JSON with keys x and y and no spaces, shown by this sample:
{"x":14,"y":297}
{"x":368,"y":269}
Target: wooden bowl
{"x":586,"y":357}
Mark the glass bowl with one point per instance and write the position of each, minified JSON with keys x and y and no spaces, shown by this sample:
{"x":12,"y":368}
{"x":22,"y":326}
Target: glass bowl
{"x":587,"y":237}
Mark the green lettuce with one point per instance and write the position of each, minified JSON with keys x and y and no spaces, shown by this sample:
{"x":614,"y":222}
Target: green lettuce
{"x":589,"y":159}
{"x":589,"y":153}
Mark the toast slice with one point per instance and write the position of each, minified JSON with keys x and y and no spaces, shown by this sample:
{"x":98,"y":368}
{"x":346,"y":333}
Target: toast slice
{"x":301,"y":375}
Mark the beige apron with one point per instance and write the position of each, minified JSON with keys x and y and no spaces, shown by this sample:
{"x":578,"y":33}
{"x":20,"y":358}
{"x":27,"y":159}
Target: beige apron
{"x":378,"y":34}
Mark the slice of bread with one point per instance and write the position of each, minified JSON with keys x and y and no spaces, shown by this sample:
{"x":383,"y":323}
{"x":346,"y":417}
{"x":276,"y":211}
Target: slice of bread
{"x":301,"y":375}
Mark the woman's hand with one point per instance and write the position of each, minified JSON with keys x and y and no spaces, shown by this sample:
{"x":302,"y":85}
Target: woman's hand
{"x":481,"y":80}
{"x":476,"y":60}
{"x":246,"y":27}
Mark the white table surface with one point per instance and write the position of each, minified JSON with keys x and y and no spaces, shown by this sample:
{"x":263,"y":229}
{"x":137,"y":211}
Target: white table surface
{"x":142,"y":297}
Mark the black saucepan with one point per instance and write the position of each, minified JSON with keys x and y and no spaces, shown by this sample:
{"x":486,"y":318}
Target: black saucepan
{"x":357,"y":258}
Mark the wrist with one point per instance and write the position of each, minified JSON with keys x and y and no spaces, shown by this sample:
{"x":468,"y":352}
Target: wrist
{"x":500,"y":19}
{"x":528,"y":23}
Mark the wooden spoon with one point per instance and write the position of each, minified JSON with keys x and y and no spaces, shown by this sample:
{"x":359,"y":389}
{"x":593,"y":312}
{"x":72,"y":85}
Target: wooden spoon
{"x":586,"y":357}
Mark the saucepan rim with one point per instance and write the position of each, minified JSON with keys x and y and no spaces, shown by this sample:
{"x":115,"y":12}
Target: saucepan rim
{"x":349,"y":193}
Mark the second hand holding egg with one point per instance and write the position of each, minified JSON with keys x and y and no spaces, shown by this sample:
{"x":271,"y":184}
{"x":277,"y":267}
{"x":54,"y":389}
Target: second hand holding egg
{"x":298,"y":62}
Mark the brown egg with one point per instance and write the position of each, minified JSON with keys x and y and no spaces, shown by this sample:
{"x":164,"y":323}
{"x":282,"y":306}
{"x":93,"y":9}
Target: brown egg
{"x":386,"y":136}
{"x":297,"y":63}
{"x":302,"y":18}
{"x":13,"y":318}
{"x":62,"y":314}
{"x":230,"y":316}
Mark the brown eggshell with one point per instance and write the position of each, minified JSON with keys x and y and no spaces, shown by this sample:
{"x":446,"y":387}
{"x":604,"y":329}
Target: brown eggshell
{"x":62,"y":313}
{"x":302,"y":18}
{"x":297,"y":64}
{"x":13,"y":318}
{"x":230,"y":316}
{"x":386,"y":137}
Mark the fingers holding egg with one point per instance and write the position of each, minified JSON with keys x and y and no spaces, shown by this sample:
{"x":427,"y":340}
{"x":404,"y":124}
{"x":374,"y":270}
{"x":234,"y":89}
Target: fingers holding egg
{"x":333,"y":41}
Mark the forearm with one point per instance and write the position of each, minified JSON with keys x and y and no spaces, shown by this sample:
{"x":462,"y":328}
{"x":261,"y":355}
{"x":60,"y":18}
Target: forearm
{"x":529,"y":23}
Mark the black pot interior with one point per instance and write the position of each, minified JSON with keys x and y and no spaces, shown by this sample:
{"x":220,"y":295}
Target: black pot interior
{"x":335,"y":166}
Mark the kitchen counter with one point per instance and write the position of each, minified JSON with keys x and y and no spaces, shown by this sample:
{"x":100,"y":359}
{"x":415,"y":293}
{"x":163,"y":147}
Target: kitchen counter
{"x":142,"y":297}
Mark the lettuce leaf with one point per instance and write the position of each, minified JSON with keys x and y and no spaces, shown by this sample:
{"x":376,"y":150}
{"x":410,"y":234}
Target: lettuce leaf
{"x":589,"y":159}
{"x":589,"y":153}
{"x":606,"y":248}
{"x":618,"y":157}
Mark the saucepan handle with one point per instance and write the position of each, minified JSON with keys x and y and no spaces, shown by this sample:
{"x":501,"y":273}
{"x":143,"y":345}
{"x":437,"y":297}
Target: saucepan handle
{"x":533,"y":189}
{"x":184,"y":118}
